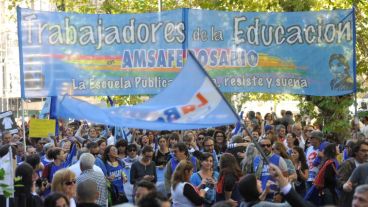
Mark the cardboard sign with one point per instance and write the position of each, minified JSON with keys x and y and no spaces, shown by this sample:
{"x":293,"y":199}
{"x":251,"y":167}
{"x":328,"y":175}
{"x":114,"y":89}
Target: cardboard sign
{"x":7,"y":122}
{"x":41,"y":128}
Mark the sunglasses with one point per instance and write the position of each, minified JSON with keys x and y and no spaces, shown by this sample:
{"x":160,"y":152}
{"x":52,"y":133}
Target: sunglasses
{"x":70,"y":182}
{"x":266,"y":145}
{"x":132,"y":150}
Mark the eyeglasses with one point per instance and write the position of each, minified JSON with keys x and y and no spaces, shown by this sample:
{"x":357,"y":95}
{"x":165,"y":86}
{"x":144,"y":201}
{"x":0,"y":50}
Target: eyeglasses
{"x":70,"y":182}
{"x":132,"y":150}
{"x":266,"y":145}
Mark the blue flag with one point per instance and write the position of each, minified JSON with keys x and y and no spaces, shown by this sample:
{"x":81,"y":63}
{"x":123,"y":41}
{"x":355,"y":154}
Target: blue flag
{"x":191,"y":101}
{"x":45,"y":109}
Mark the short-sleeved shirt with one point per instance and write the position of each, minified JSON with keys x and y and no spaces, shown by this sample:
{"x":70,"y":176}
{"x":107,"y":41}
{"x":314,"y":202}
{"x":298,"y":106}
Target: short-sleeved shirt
{"x":360,"y":175}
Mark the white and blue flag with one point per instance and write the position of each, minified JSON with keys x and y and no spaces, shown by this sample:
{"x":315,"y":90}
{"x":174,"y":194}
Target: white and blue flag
{"x":191,"y":101}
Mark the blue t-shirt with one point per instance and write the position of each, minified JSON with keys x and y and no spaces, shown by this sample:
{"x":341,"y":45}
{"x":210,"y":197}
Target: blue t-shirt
{"x":196,"y":180}
{"x":117,"y":171}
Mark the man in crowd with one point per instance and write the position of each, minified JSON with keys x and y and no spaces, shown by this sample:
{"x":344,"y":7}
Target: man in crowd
{"x":297,"y":129}
{"x":311,"y":155}
{"x":180,"y":151}
{"x":87,"y":193}
{"x":143,"y":188}
{"x":261,"y":168}
{"x":94,"y":150}
{"x":87,"y":161}
{"x":6,"y":137}
{"x":360,"y":198}
{"x":359,"y":156}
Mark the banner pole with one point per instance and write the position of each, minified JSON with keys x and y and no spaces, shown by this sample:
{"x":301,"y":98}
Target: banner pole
{"x":23,"y":127}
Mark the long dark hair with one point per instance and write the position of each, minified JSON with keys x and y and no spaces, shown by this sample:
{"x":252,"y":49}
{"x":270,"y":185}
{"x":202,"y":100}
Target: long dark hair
{"x":50,"y":200}
{"x":23,"y":191}
{"x":248,"y":188}
{"x":105,"y":156}
{"x":229,"y":165}
{"x":302,"y":159}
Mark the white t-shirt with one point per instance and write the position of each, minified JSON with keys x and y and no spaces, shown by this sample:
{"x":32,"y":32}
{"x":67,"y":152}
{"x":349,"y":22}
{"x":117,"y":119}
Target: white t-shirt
{"x":76,"y":169}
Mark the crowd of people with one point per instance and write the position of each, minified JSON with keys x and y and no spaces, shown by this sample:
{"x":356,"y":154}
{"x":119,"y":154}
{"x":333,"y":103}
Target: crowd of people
{"x":92,"y":165}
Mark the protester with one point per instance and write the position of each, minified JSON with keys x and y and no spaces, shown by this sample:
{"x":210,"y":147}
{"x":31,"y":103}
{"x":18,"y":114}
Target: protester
{"x":64,"y":181}
{"x":301,"y":167}
{"x":114,"y":169}
{"x":56,"y":199}
{"x":87,"y":161}
{"x":121,"y":145}
{"x":87,"y":193}
{"x":229,"y":175}
{"x":206,"y":178}
{"x":24,"y":191}
{"x":182,"y":192}
{"x":143,"y":188}
{"x":162,"y":154}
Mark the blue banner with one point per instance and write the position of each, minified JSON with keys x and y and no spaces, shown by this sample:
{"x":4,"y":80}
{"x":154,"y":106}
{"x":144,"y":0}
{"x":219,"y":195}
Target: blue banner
{"x":200,"y":105}
{"x":98,"y":54}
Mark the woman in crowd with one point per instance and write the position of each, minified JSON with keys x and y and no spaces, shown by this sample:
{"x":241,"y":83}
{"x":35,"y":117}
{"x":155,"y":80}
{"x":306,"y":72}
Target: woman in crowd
{"x":301,"y":167}
{"x":162,"y":154}
{"x":182,"y":192}
{"x":58,"y":156}
{"x":291,"y":142}
{"x":115,"y":169}
{"x":229,"y":175}
{"x":144,"y":141}
{"x":173,"y":139}
{"x":144,"y":169}
{"x":247,"y":162}
{"x":65,"y":182}
{"x":280,"y":149}
{"x":268,"y":119}
{"x":121,"y":145}
{"x":56,"y":200}
{"x":220,"y":142}
{"x":24,"y":195}
{"x":206,"y":177}
{"x":323,"y":190}
{"x":101,"y":146}
{"x":200,"y":138}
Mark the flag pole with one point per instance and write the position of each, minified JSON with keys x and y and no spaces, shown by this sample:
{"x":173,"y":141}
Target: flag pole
{"x":23,"y":127}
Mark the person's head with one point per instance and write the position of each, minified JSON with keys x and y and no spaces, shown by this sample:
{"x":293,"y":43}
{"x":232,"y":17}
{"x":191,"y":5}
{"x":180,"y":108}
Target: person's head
{"x":121,"y":145}
{"x":297,"y":129}
{"x":132,"y":150}
{"x":250,"y":188}
{"x":360,"y":198}
{"x":268,"y":117}
{"x":69,"y":132}
{"x":291,"y":140}
{"x":360,"y":151}
{"x":173,"y":139}
{"x":206,"y":161}
{"x":65,"y":145}
{"x":144,"y":140}
{"x":200,"y":139}
{"x":229,"y":164}
{"x":266,"y":145}
{"x":25,"y":172}
{"x":280,"y":149}
{"x":47,"y":147}
{"x":147,"y":153}
{"x":188,"y":139}
{"x":308,"y":131}
{"x":280,"y":130}
{"x":56,"y":154}
{"x":208,"y":144}
{"x":101,"y":145}
{"x":220,"y":138}
{"x":180,"y":151}
{"x":87,"y":191}
{"x":93,"y":148}
{"x":297,"y":154}
{"x":87,"y":160}
{"x":64,"y":181}
{"x":110,"y":153}
{"x":92,"y":132}
{"x":339,"y":66}
{"x":30,"y":150}
{"x":330,"y":151}
{"x":154,"y":199}
{"x":182,"y":173}
{"x":6,"y":137}
{"x":35,"y":161}
{"x":316,"y":138}
{"x":162,"y":142}
{"x":143,"y":188}
{"x":56,"y":199}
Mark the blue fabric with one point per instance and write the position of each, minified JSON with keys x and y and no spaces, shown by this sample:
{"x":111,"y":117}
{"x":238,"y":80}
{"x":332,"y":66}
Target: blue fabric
{"x":117,"y":172}
{"x":101,"y":164}
{"x":196,"y":180}
{"x":265,"y":175}
{"x":200,"y":105}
